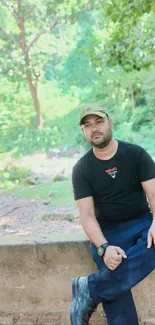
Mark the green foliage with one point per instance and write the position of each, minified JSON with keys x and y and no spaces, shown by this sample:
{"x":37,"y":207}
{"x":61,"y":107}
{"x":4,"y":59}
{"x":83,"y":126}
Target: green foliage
{"x":14,"y":100}
{"x":128,"y":40}
{"x":45,"y":18}
{"x":12,"y":176}
{"x":128,"y":11}
{"x":77,"y":69}
{"x":103,"y":53}
{"x":28,"y":141}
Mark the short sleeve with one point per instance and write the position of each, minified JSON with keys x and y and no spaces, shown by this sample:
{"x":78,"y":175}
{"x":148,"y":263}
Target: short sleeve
{"x":81,"y":186}
{"x":145,"y":166}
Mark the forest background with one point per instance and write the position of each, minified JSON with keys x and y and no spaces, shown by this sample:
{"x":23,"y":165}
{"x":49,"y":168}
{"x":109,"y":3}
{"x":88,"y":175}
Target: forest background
{"x":57,"y":56}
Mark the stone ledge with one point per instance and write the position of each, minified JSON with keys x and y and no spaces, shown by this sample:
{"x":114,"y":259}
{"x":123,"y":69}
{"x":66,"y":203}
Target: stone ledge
{"x":36,"y":280}
{"x":10,"y":240}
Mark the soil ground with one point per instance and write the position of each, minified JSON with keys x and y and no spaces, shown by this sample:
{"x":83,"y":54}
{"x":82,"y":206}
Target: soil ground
{"x":25,"y":217}
{"x":34,"y":214}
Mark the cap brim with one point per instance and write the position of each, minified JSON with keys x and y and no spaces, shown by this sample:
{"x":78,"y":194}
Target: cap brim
{"x":95,"y":113}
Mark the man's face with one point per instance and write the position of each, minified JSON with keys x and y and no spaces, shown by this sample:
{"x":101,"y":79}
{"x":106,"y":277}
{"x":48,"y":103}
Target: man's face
{"x":97,"y":130}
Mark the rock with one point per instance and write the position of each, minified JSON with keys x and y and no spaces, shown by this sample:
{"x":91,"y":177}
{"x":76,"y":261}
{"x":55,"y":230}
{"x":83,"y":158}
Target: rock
{"x":46,"y":202}
{"x":59,"y":177}
{"x":40,"y":177}
{"x":58,"y":216}
{"x":30,"y":181}
{"x":51,"y":194}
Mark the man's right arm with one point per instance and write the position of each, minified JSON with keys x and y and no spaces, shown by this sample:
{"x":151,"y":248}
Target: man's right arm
{"x":113,"y":255}
{"x":89,"y":222}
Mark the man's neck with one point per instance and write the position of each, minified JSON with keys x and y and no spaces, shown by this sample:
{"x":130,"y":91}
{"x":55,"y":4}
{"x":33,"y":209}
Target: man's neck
{"x":108,"y":152}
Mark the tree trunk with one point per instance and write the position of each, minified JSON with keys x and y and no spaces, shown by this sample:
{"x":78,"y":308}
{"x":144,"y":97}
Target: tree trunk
{"x":33,"y":91}
{"x":132,"y":95}
{"x":24,"y":47}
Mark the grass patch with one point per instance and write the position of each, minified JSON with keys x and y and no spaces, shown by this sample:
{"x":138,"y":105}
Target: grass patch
{"x":6,"y":185}
{"x":58,"y":193}
{"x":11,"y":176}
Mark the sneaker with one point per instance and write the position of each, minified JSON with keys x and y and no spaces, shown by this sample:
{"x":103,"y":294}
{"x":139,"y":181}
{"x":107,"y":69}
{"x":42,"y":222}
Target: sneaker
{"x":82,"y":305}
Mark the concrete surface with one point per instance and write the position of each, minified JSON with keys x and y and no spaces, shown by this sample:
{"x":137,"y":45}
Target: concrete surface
{"x":36,"y":274}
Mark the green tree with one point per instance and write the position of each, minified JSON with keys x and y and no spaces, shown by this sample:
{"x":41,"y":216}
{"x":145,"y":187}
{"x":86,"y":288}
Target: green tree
{"x":23,"y":24}
{"x":127,"y":37}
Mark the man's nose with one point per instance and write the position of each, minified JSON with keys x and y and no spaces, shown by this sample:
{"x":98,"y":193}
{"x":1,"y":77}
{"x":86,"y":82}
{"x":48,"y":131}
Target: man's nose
{"x":94,"y":127}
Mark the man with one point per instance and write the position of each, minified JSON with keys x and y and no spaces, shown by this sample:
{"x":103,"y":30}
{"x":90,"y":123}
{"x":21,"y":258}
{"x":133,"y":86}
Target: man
{"x":111,"y":183}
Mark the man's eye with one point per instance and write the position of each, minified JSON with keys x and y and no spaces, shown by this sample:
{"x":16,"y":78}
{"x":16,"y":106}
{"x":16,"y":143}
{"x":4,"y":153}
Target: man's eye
{"x":100,"y":122}
{"x":87,"y":125}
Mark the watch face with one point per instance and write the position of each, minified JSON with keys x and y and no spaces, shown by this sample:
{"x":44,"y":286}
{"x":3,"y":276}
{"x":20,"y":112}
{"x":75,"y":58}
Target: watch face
{"x":100,"y":251}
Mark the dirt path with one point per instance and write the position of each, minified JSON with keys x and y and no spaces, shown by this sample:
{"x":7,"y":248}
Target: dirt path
{"x":26,"y":217}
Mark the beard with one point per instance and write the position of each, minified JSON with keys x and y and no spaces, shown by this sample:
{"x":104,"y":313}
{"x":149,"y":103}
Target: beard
{"x":101,"y":141}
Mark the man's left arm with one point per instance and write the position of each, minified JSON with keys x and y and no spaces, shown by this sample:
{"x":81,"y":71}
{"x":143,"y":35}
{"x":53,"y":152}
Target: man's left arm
{"x":149,"y":188}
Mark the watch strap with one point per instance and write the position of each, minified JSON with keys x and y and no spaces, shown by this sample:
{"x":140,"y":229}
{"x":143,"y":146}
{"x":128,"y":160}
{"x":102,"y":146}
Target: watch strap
{"x":104,"y":247}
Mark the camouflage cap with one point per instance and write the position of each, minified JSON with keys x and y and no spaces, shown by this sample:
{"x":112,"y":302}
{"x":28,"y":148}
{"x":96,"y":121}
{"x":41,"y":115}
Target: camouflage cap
{"x":97,"y":109}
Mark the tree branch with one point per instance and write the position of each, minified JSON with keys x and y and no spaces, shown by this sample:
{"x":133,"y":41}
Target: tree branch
{"x":11,"y":9}
{"x":9,"y":35}
{"x":41,"y":33}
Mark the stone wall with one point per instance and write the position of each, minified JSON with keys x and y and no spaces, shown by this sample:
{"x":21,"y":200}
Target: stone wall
{"x":35,"y":286}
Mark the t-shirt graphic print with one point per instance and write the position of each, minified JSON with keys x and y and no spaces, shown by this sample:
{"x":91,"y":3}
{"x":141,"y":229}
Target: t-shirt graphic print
{"x":112,"y":172}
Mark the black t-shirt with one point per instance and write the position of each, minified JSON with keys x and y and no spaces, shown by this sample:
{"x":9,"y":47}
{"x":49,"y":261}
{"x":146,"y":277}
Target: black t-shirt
{"x":115,"y":184}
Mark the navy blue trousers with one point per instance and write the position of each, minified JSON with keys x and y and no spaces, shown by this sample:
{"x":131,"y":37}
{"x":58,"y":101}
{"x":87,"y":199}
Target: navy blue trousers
{"x":113,"y":288}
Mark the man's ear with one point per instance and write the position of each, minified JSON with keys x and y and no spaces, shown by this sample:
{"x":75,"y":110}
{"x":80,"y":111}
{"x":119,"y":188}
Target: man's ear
{"x":82,"y":128}
{"x":111,"y":122}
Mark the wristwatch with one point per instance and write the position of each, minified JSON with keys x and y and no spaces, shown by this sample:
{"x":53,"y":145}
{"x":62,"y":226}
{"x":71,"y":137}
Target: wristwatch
{"x":101,"y":250}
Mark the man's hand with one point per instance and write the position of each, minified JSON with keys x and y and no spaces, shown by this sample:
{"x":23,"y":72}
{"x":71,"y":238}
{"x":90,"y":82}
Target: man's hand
{"x":151,"y":235}
{"x":113,"y":257}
